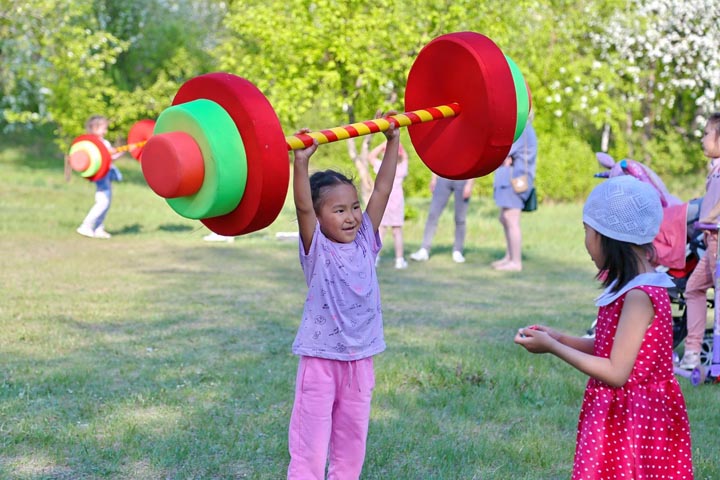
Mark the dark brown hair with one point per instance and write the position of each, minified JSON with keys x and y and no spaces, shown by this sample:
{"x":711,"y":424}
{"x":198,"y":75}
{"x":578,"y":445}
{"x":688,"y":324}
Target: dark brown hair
{"x":622,"y":261}
{"x":714,"y":121}
{"x":320,"y":181}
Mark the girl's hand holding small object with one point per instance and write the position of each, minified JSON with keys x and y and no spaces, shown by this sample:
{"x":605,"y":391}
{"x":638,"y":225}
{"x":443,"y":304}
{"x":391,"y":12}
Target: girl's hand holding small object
{"x":531,"y":327}
{"x":535,"y":338}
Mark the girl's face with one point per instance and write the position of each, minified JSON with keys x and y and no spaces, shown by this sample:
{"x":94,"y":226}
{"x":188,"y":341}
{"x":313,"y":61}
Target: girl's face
{"x":593,"y":246}
{"x":711,"y":140}
{"x":340,"y":214}
{"x":100,"y":129}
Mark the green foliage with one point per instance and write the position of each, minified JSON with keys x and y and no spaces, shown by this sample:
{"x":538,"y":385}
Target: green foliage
{"x":670,"y":153}
{"x":162,"y":40}
{"x":344,"y":58}
{"x":58,"y":58}
{"x":68,"y":60}
{"x":565,"y":168}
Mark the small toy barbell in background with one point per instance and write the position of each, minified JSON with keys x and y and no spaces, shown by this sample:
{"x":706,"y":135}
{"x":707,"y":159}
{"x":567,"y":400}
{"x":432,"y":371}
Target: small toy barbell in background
{"x":89,"y":156}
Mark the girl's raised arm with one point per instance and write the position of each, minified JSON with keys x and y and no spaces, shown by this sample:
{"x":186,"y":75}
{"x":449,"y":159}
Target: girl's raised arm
{"x":302,"y":195}
{"x":385,"y":177}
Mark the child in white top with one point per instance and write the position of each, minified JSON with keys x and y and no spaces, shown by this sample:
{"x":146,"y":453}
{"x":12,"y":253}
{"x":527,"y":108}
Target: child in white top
{"x":93,"y":225}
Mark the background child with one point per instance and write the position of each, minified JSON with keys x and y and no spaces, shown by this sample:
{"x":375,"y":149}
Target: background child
{"x":633,"y":422}
{"x":702,"y":277}
{"x":394,"y":216}
{"x":341,"y":328}
{"x":93,"y":224}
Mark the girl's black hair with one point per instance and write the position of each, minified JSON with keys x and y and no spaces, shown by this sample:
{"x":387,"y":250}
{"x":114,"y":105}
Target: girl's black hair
{"x":622,"y":261}
{"x":319,"y":181}
{"x":714,"y":120}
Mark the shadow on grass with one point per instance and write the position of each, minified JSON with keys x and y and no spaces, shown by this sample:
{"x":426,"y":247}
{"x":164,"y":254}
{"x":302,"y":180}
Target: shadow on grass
{"x":170,"y":227}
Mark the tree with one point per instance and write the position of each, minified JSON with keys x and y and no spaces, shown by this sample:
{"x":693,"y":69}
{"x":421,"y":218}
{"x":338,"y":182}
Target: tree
{"x":64,"y":60}
{"x":665,"y":53}
{"x":342,"y":59}
{"x":55,"y":60}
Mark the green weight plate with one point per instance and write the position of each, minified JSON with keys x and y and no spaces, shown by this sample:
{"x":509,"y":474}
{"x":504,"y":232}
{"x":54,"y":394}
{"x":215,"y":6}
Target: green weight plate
{"x":265,"y":147}
{"x":521,"y":94}
{"x":223,"y":156}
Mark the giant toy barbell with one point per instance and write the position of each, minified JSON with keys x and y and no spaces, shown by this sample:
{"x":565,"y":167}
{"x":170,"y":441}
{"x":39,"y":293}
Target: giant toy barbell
{"x":218,"y":154}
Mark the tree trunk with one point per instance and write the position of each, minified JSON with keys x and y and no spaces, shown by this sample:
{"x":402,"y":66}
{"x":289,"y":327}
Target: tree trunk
{"x":605,"y":142}
{"x":649,"y":113}
{"x":629,"y":132}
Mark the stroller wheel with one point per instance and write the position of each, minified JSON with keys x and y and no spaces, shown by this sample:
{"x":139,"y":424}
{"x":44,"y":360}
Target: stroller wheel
{"x":706,"y":349}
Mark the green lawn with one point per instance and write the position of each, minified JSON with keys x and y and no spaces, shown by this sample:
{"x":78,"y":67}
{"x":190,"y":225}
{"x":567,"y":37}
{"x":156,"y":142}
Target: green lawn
{"x":156,"y":355}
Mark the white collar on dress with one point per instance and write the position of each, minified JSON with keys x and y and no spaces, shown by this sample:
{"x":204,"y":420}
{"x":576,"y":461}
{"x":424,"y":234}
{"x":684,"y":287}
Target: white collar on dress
{"x":652,"y":279}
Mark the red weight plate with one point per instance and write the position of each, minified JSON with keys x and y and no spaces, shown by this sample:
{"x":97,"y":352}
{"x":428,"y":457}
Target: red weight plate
{"x":141,"y":131}
{"x":104,"y":152}
{"x":467,"y":68}
{"x":268,"y":168}
{"x":173,"y":165}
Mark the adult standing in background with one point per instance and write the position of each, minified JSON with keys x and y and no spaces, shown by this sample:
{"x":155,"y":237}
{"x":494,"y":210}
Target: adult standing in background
{"x":441,"y":189}
{"x":519,"y":164}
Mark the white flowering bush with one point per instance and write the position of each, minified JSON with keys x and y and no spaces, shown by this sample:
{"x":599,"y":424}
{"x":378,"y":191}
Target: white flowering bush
{"x":666,"y":59}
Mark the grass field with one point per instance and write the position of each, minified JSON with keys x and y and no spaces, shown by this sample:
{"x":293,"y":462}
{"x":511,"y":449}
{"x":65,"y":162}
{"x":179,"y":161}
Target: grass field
{"x":155,"y":355}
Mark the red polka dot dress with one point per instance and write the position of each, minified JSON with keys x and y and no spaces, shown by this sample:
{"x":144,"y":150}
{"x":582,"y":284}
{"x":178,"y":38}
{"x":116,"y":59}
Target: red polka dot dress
{"x":640,"y":430}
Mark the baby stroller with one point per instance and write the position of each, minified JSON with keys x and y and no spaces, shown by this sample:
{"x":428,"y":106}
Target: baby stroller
{"x":679,"y":245}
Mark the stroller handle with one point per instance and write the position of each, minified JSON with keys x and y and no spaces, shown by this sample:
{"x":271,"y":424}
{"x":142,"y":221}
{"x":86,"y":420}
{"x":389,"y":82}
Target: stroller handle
{"x":706,"y":226}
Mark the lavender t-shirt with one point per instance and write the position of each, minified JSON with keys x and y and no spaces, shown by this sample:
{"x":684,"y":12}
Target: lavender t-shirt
{"x":342,"y":318}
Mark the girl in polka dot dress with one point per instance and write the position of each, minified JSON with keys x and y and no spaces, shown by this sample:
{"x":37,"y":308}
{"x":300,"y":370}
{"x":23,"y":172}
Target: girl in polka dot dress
{"x":633,"y":423}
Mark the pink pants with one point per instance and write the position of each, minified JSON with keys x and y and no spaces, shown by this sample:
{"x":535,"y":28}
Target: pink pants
{"x":696,"y":294}
{"x":330,"y":418}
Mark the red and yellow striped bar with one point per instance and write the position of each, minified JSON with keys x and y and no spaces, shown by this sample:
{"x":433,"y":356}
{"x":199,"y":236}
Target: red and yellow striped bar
{"x":130,"y":146}
{"x":296,"y":142}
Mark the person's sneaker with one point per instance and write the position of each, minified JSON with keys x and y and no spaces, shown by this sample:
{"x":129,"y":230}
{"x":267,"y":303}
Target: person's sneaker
{"x":85,"y":231}
{"x":421,"y":255}
{"x":214,"y":237}
{"x":400,"y":263}
{"x":690,"y":361}
{"x":101,"y":233}
{"x":457,"y":257}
